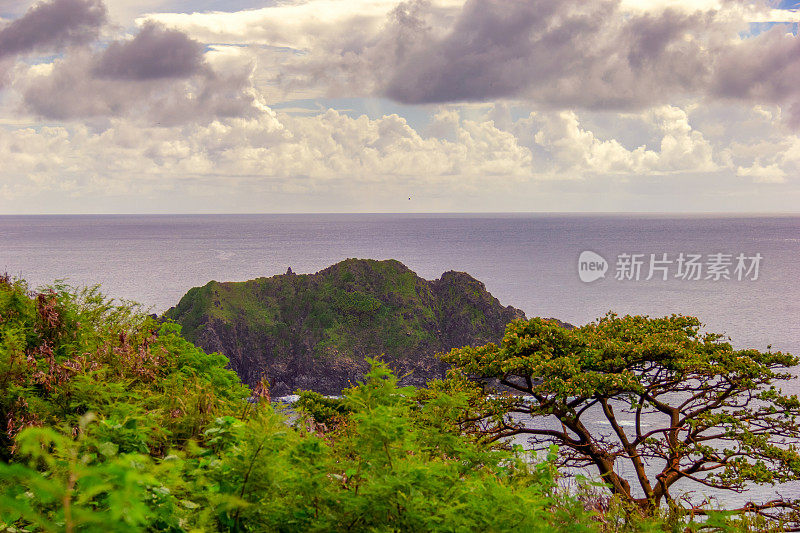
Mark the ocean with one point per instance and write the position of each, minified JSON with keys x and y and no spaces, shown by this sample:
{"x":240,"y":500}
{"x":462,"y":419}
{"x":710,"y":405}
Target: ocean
{"x":746,"y":284}
{"x":530,"y":261}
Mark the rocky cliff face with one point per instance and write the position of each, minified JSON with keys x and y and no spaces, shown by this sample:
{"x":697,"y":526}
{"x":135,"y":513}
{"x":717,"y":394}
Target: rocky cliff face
{"x":314,"y":331}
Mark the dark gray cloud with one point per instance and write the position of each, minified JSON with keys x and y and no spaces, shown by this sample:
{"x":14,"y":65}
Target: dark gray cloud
{"x":592,"y":55}
{"x":159,"y":76}
{"x":52,"y":26}
{"x":348,"y":59}
{"x":762,"y":69}
{"x":561,"y":54}
{"x":72,"y":91}
{"x":569,"y":53}
{"x":155,"y":53}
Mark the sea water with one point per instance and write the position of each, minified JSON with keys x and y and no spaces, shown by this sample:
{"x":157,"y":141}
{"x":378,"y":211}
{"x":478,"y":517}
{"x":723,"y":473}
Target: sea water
{"x":525,"y":260}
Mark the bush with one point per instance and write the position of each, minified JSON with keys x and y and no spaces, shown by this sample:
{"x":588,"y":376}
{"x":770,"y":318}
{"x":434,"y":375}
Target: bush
{"x":116,"y":423}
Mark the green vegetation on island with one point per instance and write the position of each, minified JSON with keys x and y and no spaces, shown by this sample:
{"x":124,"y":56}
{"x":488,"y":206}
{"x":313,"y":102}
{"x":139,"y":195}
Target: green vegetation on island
{"x":315,"y":331}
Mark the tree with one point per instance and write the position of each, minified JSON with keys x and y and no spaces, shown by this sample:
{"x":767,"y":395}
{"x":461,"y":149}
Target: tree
{"x":678,"y":404}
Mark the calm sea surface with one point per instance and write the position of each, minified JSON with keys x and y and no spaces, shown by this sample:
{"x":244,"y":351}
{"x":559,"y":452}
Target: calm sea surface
{"x":528,"y":261}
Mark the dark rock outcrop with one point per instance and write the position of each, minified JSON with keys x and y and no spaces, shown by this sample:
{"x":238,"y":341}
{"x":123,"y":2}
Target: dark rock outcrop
{"x":314,"y":331}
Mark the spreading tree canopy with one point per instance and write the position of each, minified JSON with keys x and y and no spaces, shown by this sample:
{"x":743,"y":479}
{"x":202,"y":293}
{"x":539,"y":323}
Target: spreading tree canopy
{"x":656,"y":397}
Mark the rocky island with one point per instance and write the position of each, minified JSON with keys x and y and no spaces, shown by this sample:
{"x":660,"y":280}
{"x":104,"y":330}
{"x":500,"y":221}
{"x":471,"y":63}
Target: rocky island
{"x":314,"y":331}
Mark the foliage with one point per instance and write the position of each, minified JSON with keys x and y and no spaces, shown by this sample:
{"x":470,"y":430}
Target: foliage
{"x":386,"y":470}
{"x":679,"y":404}
{"x":323,"y":410}
{"x":116,"y":423}
{"x":65,"y":352}
{"x":87,"y":487}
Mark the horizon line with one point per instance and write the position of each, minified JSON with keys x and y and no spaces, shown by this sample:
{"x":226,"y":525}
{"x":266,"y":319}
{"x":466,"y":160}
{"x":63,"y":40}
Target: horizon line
{"x":323,"y":213}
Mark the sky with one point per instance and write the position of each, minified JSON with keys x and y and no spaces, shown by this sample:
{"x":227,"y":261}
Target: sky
{"x":248,"y":106}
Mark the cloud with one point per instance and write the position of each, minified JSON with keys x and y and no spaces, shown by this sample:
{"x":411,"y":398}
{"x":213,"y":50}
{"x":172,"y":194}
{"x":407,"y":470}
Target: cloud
{"x":324,"y":47}
{"x":762,"y":69}
{"x":295,"y":24}
{"x":576,"y":151}
{"x":763,"y":174}
{"x":160,"y":76}
{"x":267,"y":150}
{"x":5,"y":72}
{"x":755,"y":148}
{"x":578,"y":97}
{"x":562,"y":54}
{"x":603,"y":55}
{"x":462,"y":159}
{"x":53,"y":26}
{"x":155,"y":53}
{"x":335,"y":147}
{"x":598,"y":55}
